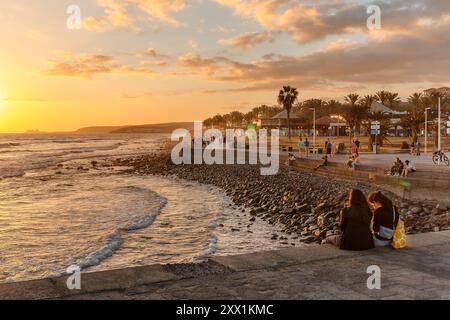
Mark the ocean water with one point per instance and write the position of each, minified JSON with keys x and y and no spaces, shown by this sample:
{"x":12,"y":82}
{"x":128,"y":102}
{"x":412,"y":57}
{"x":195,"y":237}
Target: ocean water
{"x":58,"y":210}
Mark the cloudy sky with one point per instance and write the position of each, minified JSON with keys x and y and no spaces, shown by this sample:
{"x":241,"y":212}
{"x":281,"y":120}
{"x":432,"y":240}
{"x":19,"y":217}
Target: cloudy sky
{"x":150,"y":61}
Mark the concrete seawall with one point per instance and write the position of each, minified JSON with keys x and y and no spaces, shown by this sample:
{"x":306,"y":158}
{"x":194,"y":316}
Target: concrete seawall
{"x":421,"y":271}
{"x":430,"y":186}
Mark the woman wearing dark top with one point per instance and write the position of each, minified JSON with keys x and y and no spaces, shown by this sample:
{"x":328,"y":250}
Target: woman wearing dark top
{"x":355,"y":222}
{"x":385,"y":219}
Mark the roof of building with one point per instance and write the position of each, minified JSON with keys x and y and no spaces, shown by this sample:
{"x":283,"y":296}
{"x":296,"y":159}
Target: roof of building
{"x":327,"y":120}
{"x":378,"y":107}
{"x":283,"y":115}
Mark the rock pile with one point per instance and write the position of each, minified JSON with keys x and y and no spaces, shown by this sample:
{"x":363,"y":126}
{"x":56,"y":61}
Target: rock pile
{"x":303,"y":204}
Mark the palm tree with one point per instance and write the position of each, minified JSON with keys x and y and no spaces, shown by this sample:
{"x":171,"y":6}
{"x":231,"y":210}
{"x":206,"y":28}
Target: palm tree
{"x":393,"y":99}
{"x":352,"y":98}
{"x":355,"y":115}
{"x":287,"y":97}
{"x":366,"y":103}
{"x":368,"y":100}
{"x":416,"y":99}
{"x":385,"y":123}
{"x":382,"y":96}
{"x":333,"y":107}
{"x":412,"y":121}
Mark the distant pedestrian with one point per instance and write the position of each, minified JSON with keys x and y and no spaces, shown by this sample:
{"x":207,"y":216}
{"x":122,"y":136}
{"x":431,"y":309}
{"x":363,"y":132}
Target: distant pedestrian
{"x":358,"y":144}
{"x":306,"y":143}
{"x":329,"y":148}
{"x":353,"y":147}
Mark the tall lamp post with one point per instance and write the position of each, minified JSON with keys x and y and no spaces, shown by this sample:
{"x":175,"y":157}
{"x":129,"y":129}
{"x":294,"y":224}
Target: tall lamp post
{"x":314,"y":128}
{"x":426,"y":128}
{"x":439,"y":124}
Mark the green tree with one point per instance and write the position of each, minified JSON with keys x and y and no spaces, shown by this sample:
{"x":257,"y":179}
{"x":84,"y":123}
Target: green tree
{"x":219,"y":121}
{"x":208,"y":123}
{"x":236,"y":118}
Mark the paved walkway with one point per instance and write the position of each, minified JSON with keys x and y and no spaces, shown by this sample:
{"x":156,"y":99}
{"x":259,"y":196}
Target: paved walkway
{"x":422,"y":271}
{"x":384,"y":161}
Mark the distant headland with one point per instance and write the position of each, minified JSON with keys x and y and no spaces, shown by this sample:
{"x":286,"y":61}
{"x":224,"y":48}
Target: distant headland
{"x":146,"y":128}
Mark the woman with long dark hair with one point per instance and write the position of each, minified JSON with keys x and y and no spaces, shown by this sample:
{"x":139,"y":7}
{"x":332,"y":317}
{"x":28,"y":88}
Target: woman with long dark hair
{"x":385,"y":219}
{"x":355,"y":220}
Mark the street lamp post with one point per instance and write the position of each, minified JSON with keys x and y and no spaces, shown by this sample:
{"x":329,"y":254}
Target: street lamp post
{"x":439,"y":124}
{"x":314,"y":128}
{"x":426,"y":128}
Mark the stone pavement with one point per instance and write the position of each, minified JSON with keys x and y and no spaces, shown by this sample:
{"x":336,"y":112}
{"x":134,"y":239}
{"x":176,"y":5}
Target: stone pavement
{"x":421,"y":271}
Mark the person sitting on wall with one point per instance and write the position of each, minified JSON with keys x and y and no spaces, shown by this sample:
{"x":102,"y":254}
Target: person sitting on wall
{"x":350,"y":160}
{"x":408,"y":168}
{"x":397,"y":168}
{"x":356,"y":162}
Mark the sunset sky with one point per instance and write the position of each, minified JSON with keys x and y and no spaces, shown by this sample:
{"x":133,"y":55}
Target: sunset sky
{"x":153,"y":61}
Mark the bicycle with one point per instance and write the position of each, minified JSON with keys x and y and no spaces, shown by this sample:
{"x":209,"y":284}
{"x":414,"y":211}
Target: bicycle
{"x":440,"y":157}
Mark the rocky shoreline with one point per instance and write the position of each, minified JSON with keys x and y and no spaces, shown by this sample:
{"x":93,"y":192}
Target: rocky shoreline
{"x":305,"y":205}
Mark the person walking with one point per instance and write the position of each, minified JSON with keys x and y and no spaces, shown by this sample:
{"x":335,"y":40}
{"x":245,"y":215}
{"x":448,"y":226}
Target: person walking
{"x":306,"y":144}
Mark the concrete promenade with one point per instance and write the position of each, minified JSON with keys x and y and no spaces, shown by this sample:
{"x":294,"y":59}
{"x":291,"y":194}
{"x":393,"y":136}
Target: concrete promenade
{"x":421,"y":271}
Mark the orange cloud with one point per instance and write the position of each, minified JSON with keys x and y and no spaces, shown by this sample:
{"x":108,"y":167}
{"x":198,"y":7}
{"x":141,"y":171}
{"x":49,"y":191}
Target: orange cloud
{"x":248,"y":40}
{"x":313,"y":21}
{"x":117,"y":14}
{"x":89,"y":65}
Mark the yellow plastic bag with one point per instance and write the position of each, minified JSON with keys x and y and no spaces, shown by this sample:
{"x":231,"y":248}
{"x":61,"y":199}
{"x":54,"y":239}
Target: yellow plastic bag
{"x":399,"y":239}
